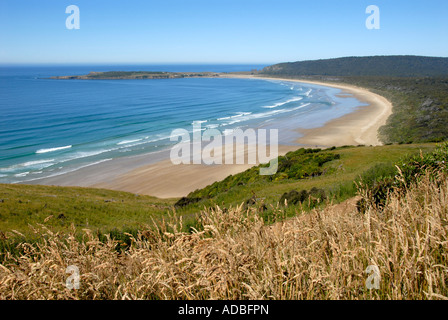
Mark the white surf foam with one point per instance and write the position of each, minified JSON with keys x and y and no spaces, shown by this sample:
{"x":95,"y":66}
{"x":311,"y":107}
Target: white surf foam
{"x":53,"y":149}
{"x":128,"y":141}
{"x":30,"y":164}
{"x":279,"y":104}
{"x":239,"y":114}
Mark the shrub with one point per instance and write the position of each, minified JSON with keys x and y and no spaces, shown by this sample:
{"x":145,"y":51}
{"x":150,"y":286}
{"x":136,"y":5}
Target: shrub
{"x":184,"y":201}
{"x":376,"y":183}
{"x":300,"y":164}
{"x":310,"y":198}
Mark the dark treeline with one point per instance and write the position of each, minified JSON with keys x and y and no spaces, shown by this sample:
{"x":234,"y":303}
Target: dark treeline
{"x":392,"y":66}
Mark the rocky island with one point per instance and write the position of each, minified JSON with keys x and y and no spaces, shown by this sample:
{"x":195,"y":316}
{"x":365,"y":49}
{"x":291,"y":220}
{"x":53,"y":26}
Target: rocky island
{"x":119,"y":75}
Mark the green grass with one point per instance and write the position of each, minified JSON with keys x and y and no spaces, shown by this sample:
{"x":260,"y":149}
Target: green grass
{"x":97,"y":209}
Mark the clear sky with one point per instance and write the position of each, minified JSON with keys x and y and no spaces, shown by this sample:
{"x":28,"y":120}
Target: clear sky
{"x":217,"y":31}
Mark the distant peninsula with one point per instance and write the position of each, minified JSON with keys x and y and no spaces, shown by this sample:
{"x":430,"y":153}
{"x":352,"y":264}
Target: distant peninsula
{"x":373,"y":66}
{"x":131,"y":75}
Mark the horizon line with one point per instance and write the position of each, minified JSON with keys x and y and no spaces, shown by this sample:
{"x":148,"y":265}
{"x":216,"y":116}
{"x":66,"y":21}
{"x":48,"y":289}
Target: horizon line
{"x":129,"y":63}
{"x":3,"y":64}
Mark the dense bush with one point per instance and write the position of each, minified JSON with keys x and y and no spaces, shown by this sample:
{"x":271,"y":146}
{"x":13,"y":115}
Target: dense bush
{"x":377,"y":183}
{"x":376,"y":196}
{"x":184,"y":201}
{"x":377,"y":173}
{"x":254,"y":202}
{"x":411,"y":170}
{"x":310,"y":198}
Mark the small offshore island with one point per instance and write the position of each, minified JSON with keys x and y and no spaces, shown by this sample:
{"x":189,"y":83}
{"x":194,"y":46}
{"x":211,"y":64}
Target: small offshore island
{"x":132,"y":75}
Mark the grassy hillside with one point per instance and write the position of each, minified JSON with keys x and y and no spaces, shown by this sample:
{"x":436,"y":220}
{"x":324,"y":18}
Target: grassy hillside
{"x":335,"y":177}
{"x":105,"y":210}
{"x":233,"y":254}
{"x":391,"y":66}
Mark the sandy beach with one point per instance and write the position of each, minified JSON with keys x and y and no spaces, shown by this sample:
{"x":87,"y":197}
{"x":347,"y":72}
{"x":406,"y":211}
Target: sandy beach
{"x":163,"y":179}
{"x":166,"y":180}
{"x":359,"y":127}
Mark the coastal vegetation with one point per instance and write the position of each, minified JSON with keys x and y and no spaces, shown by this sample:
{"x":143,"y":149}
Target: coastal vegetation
{"x":420,"y":107}
{"x":233,"y":254}
{"x":333,"y":174}
{"x":295,"y":165}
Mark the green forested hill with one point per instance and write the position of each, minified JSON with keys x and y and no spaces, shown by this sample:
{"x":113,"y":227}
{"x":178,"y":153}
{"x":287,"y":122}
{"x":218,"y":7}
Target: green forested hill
{"x":393,"y":66}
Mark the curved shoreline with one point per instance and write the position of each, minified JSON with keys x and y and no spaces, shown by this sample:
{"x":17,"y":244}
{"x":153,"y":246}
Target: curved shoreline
{"x":163,"y":179}
{"x":356,"y":128}
{"x":359,"y":127}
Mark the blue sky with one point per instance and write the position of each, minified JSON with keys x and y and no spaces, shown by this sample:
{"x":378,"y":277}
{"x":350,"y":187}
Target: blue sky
{"x":217,"y":31}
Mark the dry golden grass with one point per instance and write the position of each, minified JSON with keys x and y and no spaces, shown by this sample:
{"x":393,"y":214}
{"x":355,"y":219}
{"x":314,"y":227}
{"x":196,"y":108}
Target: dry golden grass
{"x":317,"y":255}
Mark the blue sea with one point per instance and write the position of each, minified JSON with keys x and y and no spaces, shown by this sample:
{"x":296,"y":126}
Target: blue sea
{"x":52,"y":127}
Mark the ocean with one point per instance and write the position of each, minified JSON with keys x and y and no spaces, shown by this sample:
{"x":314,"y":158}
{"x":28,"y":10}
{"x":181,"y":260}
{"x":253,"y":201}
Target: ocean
{"x":52,"y":127}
